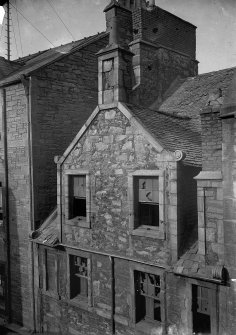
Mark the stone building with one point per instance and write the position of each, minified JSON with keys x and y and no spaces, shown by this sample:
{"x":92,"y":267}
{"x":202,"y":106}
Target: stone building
{"x":42,"y":92}
{"x":142,"y":238}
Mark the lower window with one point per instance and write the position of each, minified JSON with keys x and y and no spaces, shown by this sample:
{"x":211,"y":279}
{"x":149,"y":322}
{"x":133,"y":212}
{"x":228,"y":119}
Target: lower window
{"x":203,"y":310}
{"x":78,"y":278}
{"x":147,"y":296}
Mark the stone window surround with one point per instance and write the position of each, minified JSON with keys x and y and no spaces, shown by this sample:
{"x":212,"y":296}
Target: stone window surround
{"x":81,"y":223}
{"x":76,"y":302}
{"x":147,"y":326}
{"x":152,"y":232}
{"x":214,"y":288}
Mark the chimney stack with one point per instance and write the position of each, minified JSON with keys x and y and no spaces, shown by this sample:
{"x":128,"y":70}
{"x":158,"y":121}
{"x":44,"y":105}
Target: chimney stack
{"x":151,"y":5}
{"x":115,"y":61}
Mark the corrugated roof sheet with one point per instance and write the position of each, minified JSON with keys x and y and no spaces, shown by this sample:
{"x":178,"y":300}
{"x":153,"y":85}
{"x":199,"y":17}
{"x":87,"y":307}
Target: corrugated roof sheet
{"x":48,"y":234}
{"x":192,"y":95}
{"x":173,"y":132}
{"x":34,"y":62}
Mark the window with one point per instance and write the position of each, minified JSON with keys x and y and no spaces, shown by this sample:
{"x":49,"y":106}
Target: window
{"x":146,"y":199}
{"x":78,"y":197}
{"x":2,"y":288}
{"x":203,"y":310}
{"x":147,"y":296}
{"x":78,"y":278}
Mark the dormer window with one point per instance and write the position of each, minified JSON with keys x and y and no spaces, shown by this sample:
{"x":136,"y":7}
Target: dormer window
{"x":77,"y":198}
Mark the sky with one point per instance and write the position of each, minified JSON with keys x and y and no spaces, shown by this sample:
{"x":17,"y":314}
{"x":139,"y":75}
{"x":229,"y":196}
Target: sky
{"x":215,"y":20}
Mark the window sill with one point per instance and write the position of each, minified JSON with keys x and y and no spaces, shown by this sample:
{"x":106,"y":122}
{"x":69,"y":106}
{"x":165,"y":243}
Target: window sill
{"x":79,"y":303}
{"x":51,"y":294}
{"x":149,"y":232}
{"x":149,"y":327}
{"x":79,"y":222}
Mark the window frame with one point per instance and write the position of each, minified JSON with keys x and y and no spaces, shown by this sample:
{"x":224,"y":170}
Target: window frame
{"x":147,"y":324}
{"x":212,"y":298}
{"x":84,"y":223}
{"x":147,"y":231}
{"x":84,"y":304}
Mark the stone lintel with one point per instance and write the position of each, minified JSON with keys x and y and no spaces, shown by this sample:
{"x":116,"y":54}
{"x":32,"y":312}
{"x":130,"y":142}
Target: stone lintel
{"x":112,"y":49}
{"x":209,"y":175}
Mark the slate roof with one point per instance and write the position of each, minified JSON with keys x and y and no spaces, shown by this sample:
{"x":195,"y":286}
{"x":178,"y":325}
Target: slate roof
{"x":173,"y":132}
{"x":7,"y":67}
{"x":32,"y":63}
{"x":189,"y":97}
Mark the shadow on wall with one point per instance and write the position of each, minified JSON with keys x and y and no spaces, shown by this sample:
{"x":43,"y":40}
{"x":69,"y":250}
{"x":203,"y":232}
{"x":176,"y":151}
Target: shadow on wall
{"x":18,"y":261}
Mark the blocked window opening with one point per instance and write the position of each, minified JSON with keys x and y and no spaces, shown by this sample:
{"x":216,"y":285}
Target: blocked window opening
{"x":108,"y":74}
{"x":201,"y":309}
{"x":147,"y":201}
{"x":50,"y":262}
{"x":78,"y":196}
{"x":2,"y":288}
{"x":78,"y":278}
{"x":147,"y":297}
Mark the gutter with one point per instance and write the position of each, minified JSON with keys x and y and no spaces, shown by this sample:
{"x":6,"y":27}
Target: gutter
{"x":6,"y":182}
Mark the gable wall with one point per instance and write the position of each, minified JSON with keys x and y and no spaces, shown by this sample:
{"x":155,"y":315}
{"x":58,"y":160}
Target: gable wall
{"x":63,"y":96}
{"x":111,"y":149}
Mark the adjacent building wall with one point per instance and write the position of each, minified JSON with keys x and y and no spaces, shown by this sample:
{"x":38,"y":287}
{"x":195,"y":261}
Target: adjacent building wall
{"x":64,"y":95}
{"x":19,"y":221}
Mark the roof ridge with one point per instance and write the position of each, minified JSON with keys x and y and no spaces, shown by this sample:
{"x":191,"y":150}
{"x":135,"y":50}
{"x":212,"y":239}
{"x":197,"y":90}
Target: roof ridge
{"x":20,"y":59}
{"x":174,"y":116}
{"x":211,"y":72}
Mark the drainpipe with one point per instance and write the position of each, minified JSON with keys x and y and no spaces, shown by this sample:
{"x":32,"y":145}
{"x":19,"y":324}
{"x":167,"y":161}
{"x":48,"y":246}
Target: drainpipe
{"x":204,"y":209}
{"x":7,"y":224}
{"x":112,"y":295}
{"x":27,"y":83}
